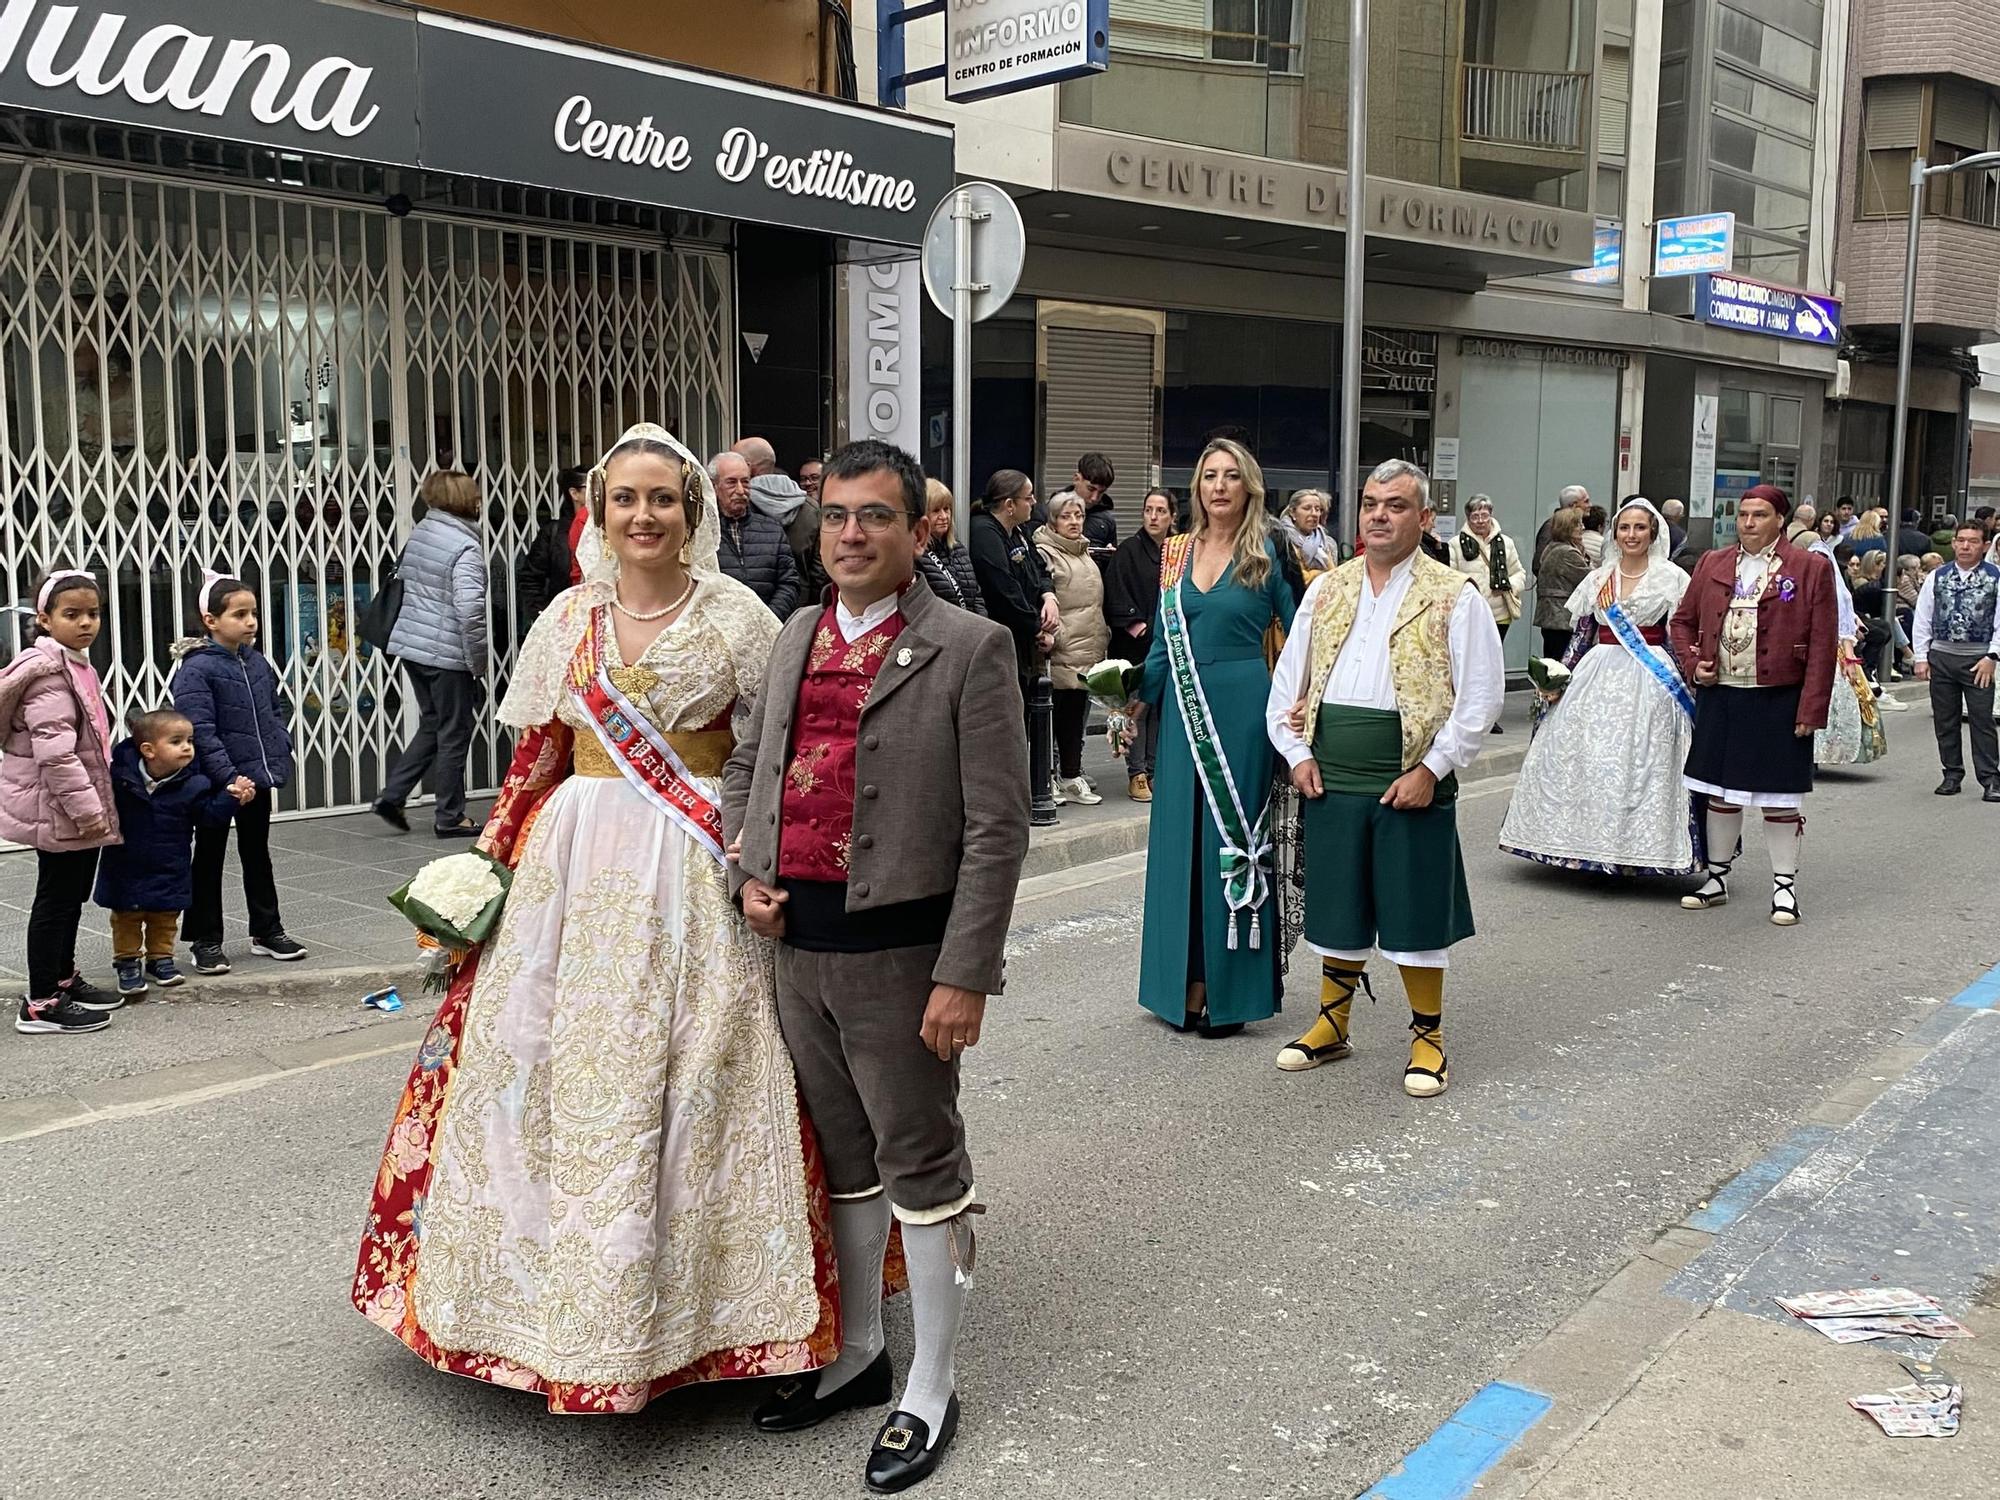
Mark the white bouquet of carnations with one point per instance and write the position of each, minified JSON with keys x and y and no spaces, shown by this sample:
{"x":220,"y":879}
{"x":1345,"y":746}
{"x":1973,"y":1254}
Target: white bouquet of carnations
{"x":455,"y":902}
{"x":1112,"y":682}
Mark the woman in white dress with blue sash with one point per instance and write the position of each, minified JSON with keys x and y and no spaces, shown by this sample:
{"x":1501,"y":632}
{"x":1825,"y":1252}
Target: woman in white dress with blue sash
{"x":1601,"y":788}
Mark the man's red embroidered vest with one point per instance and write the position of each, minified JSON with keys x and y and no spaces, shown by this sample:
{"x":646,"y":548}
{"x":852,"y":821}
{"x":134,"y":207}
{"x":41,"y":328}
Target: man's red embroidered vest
{"x":817,"y":819}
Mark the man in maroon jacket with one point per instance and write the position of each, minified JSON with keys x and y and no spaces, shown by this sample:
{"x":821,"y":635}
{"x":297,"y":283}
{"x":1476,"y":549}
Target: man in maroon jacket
{"x":1757,"y":635}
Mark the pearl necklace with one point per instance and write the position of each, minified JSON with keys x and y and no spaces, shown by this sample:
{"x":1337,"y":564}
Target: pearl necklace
{"x":658,"y":614}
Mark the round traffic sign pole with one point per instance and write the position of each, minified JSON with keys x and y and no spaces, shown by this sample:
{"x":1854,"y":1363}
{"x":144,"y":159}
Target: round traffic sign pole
{"x":973,"y":250}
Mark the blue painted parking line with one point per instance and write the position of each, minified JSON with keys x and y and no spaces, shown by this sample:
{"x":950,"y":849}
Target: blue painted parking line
{"x":1448,"y":1463}
{"x":1983,"y":993}
{"x":1735,"y":1197}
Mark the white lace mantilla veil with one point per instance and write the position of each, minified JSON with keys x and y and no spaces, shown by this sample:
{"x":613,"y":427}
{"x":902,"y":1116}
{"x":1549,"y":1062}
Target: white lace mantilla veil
{"x":1660,"y":569}
{"x":540,"y":671}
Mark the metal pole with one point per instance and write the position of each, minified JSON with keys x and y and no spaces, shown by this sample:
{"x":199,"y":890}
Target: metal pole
{"x":1899,"y":433}
{"x":1347,"y":490}
{"x":962,"y":215}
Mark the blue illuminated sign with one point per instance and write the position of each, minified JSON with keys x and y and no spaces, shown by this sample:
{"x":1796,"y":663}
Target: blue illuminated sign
{"x":1693,"y":243}
{"x":1759,"y":307}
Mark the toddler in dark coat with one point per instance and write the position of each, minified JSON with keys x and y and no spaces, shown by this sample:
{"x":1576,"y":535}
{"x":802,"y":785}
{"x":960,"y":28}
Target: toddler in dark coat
{"x":148,"y":880}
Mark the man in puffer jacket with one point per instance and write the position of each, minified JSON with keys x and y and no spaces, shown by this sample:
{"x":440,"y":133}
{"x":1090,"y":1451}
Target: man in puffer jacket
{"x":755,"y":551}
{"x":440,"y":638}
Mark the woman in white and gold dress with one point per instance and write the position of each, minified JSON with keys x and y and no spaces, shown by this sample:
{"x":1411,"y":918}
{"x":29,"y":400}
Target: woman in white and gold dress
{"x":1601,"y":788}
{"x":598,"y":1185}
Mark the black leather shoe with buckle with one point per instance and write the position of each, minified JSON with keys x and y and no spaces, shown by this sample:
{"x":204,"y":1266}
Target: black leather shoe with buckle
{"x":794,"y":1407}
{"x":904,"y":1453}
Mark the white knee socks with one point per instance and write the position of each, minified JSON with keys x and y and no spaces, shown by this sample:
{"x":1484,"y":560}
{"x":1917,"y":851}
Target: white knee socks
{"x":1725,"y":828}
{"x":860,"y":1236}
{"x":1782,"y":837}
{"x":937,"y":1301}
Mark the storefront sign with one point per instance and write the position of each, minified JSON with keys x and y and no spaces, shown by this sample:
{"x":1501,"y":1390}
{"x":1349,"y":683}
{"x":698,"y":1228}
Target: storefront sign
{"x":1003,"y":46}
{"x":1693,"y":243}
{"x":1548,"y":354}
{"x":1701,"y":458}
{"x":1759,"y":307}
{"x":1607,"y":248}
{"x":430,"y":91}
{"x":1495,"y":233}
{"x":299,"y":76}
{"x":882,"y":305}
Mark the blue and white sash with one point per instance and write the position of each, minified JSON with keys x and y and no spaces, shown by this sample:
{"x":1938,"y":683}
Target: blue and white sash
{"x":1664,"y":672}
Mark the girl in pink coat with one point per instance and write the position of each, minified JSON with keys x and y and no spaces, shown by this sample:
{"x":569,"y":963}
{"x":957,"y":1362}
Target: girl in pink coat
{"x":55,"y":795}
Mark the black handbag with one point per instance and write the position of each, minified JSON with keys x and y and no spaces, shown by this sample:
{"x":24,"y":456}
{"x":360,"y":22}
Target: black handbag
{"x":378,"y":616}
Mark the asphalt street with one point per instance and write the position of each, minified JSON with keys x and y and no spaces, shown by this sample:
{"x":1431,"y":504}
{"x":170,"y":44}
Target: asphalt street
{"x":1198,"y":1277}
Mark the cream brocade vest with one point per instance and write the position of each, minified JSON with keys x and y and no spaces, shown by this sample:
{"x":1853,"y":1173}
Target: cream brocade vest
{"x":1419,"y":647}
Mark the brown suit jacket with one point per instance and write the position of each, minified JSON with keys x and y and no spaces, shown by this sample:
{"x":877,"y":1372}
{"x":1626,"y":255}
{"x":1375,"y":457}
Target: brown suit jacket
{"x":941,"y":765}
{"x":1798,"y":624}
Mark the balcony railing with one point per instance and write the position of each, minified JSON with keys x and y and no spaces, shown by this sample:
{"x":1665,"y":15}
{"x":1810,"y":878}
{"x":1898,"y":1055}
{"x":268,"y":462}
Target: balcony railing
{"x":1515,"y":107}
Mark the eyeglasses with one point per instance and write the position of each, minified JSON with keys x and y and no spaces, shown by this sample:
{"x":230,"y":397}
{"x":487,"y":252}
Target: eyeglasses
{"x":874,"y":519}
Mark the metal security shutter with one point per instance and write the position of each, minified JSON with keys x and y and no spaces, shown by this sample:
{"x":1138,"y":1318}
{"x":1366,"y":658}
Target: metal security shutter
{"x":1100,"y":394}
{"x":1893,"y":114}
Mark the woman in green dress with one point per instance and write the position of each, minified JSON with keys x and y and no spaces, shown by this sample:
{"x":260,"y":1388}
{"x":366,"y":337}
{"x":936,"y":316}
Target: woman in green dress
{"x":1210,"y":959}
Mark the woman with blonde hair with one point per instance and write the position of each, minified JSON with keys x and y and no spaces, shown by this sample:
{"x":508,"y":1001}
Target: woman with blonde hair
{"x":598,"y":1185}
{"x":944,"y":563}
{"x":1081,"y":637}
{"x":1212,"y":954}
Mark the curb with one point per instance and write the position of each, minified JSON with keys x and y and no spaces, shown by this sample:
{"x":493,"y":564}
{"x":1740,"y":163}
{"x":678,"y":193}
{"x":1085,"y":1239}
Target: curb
{"x":1593,"y":1359}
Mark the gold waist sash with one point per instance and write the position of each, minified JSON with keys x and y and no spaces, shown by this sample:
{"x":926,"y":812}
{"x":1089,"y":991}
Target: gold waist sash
{"x":703,"y":751}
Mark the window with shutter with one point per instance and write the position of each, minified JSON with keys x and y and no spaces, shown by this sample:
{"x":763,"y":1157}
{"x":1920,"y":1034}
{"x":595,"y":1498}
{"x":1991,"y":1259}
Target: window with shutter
{"x":1100,"y":394}
{"x":1893,"y":113}
{"x":1959,"y":117}
{"x":1614,"y":95}
{"x":1161,"y":28}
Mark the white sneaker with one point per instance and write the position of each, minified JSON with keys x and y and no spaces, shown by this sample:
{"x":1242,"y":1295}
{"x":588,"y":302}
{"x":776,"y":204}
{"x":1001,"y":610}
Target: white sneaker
{"x":1056,"y":792}
{"x":1077,"y":790}
{"x":1892,"y":705}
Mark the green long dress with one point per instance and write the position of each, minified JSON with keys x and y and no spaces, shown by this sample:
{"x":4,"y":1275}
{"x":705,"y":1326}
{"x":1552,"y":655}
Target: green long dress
{"x":1225,"y":627}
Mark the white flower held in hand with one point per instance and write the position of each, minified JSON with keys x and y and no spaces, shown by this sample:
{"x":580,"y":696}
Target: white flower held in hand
{"x":458,"y":887}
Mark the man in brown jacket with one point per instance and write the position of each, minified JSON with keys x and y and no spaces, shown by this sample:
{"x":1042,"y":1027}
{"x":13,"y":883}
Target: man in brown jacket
{"x":1757,"y":633}
{"x":878,"y":815}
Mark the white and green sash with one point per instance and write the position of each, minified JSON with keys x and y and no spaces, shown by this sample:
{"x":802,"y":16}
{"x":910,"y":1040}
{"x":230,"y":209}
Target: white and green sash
{"x":1246,"y":845}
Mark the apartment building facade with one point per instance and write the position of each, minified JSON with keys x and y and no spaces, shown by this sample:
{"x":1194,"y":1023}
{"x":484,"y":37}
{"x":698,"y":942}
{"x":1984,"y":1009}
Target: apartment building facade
{"x":1186,"y":213}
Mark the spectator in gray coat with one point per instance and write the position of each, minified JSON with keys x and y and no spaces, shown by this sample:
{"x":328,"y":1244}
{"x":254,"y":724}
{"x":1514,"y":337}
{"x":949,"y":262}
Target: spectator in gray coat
{"x":755,"y":551}
{"x":440,"y":639}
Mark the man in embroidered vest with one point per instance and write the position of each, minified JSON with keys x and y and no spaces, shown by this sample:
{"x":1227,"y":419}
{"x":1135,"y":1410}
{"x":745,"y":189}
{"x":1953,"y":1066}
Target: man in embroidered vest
{"x":1388,"y":684}
{"x":1956,"y":642}
{"x":878,"y":812}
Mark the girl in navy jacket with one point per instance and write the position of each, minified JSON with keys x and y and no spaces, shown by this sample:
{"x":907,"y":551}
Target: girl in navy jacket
{"x":229,"y":693}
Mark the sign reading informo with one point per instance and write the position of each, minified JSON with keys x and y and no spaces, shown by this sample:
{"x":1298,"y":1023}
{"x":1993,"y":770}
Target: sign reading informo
{"x":1760,"y":307}
{"x":882,"y":306}
{"x":1694,"y":243}
{"x":997,"y":47}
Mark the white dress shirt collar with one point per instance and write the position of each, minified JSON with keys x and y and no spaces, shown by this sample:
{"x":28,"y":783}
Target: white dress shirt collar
{"x":853,"y":627}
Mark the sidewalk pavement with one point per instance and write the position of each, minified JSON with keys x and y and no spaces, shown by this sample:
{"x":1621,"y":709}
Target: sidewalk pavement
{"x":335,"y":873}
{"x":1683,"y":1377}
